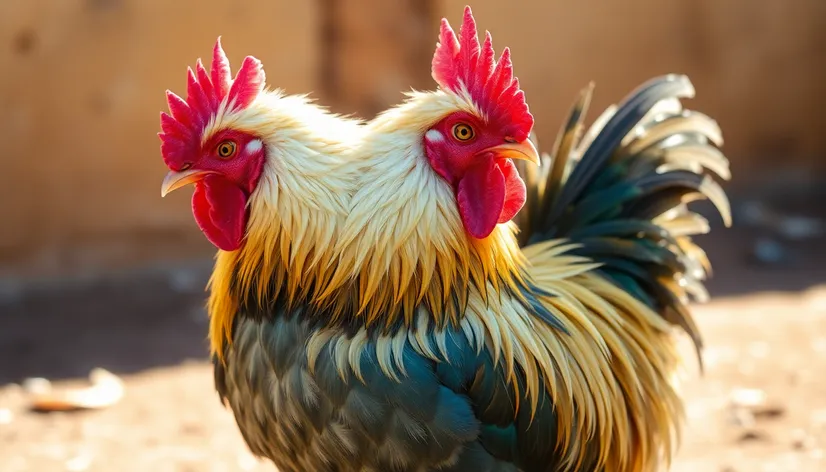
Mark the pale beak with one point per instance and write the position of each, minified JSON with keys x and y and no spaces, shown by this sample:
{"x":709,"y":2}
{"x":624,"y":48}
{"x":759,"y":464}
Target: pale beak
{"x":524,"y":150}
{"x":175,"y":180}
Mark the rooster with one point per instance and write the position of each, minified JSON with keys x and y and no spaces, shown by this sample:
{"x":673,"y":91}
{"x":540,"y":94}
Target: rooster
{"x":271,"y":187}
{"x":552,"y":348}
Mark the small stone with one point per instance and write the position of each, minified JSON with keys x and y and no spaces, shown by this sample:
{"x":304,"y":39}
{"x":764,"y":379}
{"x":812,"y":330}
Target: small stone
{"x":753,"y":435}
{"x":37,"y":385}
{"x":6,"y":416}
{"x":772,"y":411}
{"x":748,"y":397}
{"x":755,"y":402}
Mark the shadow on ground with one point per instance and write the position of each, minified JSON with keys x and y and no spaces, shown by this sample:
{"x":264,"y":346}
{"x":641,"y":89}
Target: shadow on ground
{"x":124,"y":324}
{"x":135,"y":322}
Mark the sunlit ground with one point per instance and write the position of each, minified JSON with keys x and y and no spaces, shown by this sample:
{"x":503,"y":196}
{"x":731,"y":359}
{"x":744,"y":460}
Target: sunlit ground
{"x":761,"y":405}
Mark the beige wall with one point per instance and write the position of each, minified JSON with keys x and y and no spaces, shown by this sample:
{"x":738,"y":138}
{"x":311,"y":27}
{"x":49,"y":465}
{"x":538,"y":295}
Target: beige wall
{"x":82,"y":84}
{"x":81,"y":88}
{"x":759,"y":66}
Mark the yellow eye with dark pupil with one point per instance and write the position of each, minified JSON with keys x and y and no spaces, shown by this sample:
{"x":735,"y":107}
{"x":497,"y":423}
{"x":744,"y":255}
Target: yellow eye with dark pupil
{"x":226,"y":149}
{"x":462,"y":132}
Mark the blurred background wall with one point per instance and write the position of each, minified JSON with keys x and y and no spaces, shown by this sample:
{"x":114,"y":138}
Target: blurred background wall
{"x":82,"y":85}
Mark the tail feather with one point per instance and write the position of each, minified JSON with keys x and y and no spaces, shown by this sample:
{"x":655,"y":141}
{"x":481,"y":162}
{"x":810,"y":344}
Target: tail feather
{"x":620,"y":192}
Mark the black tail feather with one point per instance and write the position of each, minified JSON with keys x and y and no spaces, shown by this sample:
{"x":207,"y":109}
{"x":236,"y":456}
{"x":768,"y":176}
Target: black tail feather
{"x":620,"y":191}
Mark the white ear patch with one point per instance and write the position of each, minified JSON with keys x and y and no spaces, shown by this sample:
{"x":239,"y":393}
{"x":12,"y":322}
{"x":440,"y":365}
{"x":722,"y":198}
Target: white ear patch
{"x":254,"y":146}
{"x":434,"y":136}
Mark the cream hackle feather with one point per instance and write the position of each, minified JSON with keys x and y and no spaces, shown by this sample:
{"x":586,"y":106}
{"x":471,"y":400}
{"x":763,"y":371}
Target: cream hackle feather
{"x":296,"y":210}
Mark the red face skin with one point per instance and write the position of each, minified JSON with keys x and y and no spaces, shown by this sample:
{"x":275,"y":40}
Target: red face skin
{"x":227,"y":172}
{"x":487,"y":186}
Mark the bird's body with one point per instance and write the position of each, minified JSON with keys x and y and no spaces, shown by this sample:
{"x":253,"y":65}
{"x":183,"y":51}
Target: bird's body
{"x":544,"y":360}
{"x":394,"y":318}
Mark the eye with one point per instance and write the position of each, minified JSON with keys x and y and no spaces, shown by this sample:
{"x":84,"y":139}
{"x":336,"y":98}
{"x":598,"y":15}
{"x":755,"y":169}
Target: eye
{"x":226,"y":149}
{"x":463,"y":132}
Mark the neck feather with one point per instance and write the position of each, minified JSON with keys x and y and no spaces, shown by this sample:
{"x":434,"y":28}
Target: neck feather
{"x":403,"y":241}
{"x":380,"y":238}
{"x":296,"y":210}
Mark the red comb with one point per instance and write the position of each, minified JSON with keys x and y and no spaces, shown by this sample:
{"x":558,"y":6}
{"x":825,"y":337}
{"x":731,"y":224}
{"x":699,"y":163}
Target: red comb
{"x":462,"y":64}
{"x":181,"y":131}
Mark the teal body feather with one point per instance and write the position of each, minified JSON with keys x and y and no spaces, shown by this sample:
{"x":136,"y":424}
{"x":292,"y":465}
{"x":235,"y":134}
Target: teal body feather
{"x":455,"y":415}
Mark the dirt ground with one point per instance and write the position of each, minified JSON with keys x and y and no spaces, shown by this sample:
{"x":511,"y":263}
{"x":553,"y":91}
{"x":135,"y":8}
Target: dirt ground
{"x":765,"y":332}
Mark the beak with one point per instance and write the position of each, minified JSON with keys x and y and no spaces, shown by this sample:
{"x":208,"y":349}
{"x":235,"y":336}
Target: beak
{"x":175,"y":180}
{"x":524,"y":150}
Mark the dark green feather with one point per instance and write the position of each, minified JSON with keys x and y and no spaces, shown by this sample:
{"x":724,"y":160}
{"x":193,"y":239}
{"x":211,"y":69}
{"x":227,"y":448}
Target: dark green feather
{"x":619,"y":190}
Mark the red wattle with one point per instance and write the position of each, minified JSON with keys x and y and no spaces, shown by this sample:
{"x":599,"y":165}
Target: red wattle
{"x":481,"y":196}
{"x":490,"y":192}
{"x":515,"y":191}
{"x":220,"y":211}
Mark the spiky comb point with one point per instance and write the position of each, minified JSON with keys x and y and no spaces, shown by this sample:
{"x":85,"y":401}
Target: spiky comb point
{"x":460,"y":65}
{"x":206,"y":94}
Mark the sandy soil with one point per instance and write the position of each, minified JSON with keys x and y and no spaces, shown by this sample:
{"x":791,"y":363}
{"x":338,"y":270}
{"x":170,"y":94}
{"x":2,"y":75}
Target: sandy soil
{"x":765,"y":332}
